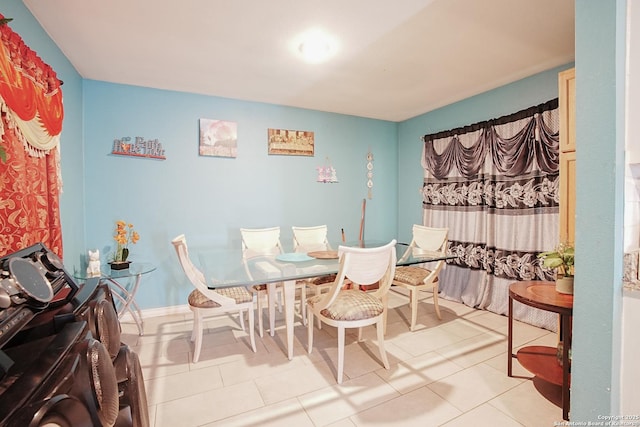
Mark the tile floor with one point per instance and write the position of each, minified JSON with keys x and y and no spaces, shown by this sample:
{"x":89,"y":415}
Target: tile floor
{"x":446,"y":373}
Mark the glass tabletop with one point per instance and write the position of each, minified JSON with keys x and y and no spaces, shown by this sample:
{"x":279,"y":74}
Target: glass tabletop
{"x":224,"y":267}
{"x":135,"y":269}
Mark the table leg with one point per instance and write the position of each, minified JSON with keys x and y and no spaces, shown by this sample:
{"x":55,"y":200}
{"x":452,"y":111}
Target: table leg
{"x":289,"y":290}
{"x":566,"y":345}
{"x":510,"y":340}
{"x":128,"y":302}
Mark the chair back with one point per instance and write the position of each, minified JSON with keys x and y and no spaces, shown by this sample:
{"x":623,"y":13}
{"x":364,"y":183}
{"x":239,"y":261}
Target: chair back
{"x":432,"y":240}
{"x":307,"y":239}
{"x":192,"y":272}
{"x":364,"y":266}
{"x":429,"y":238}
{"x":260,"y":241}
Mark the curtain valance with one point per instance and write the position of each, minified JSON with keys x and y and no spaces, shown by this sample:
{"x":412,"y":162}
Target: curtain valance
{"x":512,"y":154}
{"x":30,"y":94}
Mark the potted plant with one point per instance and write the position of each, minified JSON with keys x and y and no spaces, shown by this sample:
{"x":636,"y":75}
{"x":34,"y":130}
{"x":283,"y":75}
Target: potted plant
{"x":562,"y":260}
{"x":125,"y":234}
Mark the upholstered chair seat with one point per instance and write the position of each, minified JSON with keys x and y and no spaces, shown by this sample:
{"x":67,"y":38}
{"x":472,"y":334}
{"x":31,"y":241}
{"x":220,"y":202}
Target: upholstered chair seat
{"x":351,"y":304}
{"x":413,"y":276}
{"x":238,"y":294}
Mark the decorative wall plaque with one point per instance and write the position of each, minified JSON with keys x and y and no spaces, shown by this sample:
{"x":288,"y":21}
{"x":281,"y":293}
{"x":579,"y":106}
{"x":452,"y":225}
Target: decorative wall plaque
{"x":151,"y":149}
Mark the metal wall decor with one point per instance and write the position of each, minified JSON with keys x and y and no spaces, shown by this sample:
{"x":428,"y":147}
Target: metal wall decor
{"x":369,"y":174}
{"x":151,"y":149}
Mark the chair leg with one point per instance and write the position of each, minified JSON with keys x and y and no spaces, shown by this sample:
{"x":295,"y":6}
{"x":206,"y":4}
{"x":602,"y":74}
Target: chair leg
{"x":280,"y":301}
{"x":194,"y":331}
{"x":318,"y":292}
{"x":303,"y":303}
{"x":310,"y":331}
{"x":197,"y":329}
{"x":413,"y":300}
{"x":252,"y":334}
{"x":435,"y":300}
{"x":383,"y":353}
{"x":260,"y":314}
{"x":340,"y":353}
{"x":385,"y":304}
{"x":272,"y":298}
{"x":241,"y":319}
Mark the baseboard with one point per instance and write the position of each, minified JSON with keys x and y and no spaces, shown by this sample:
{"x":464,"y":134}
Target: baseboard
{"x":158,"y":312}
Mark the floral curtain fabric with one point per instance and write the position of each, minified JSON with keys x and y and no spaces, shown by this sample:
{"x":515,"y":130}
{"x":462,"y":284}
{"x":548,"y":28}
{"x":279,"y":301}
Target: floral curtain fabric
{"x":495,"y":186}
{"x":31,"y":115}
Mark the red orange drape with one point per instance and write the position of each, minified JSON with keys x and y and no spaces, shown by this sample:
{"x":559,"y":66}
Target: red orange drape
{"x":31,"y":114}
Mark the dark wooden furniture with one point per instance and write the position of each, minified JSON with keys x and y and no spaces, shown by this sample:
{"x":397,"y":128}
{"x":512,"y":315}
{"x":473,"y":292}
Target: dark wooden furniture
{"x":540,"y":360}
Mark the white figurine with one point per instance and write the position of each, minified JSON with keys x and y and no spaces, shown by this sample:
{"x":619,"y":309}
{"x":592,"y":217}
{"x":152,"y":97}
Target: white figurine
{"x":93,"y":270}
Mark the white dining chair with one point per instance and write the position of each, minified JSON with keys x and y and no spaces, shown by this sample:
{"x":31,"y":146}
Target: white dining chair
{"x":417,"y":278}
{"x":258,"y":242}
{"x":314,"y":239}
{"x":204,"y":301}
{"x":353,"y":308}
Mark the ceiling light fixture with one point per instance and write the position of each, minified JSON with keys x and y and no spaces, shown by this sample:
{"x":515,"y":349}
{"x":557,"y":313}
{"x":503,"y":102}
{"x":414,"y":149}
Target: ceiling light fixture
{"x":316,"y":46}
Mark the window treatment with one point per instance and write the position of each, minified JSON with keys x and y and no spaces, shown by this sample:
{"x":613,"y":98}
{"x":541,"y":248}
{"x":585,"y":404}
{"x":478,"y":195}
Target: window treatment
{"x":31,"y":115}
{"x":494,"y":184}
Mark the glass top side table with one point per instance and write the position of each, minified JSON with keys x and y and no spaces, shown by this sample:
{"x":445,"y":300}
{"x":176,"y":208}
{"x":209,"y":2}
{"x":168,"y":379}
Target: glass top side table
{"x":126,"y":297}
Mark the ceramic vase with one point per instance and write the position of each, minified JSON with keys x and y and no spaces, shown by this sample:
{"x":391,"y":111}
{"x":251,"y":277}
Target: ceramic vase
{"x":564,"y":285}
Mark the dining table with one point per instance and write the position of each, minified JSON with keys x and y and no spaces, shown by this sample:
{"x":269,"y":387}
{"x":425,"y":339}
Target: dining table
{"x":226,"y":267}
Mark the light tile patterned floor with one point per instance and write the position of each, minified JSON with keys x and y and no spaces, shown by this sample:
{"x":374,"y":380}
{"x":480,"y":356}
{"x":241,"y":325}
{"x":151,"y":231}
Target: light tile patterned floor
{"x":446,"y":373}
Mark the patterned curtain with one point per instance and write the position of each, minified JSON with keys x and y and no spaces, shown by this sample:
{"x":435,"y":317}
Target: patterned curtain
{"x":495,"y":186}
{"x":31,"y":116}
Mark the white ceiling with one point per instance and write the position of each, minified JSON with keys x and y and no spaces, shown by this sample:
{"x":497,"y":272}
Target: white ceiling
{"x":396,"y":59}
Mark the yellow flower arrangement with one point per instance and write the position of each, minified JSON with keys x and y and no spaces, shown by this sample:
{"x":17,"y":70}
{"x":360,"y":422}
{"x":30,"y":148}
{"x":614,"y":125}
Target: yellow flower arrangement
{"x":125,"y":234}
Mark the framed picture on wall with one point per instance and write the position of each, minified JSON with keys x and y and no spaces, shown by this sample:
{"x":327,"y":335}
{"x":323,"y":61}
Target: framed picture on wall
{"x":218,"y":138}
{"x":290,"y":142}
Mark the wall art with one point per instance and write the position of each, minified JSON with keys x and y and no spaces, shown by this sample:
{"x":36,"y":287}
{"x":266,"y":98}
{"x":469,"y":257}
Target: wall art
{"x":140,"y":147}
{"x":218,"y":138}
{"x":290,"y":142}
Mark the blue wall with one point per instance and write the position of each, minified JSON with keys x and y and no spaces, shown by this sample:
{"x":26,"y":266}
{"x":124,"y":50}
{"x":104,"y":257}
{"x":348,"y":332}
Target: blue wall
{"x":600,"y":115}
{"x":210,"y":198}
{"x":72,"y":198}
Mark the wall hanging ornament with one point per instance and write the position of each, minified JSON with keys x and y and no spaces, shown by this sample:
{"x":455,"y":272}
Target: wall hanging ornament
{"x":369,"y":174}
{"x":326,"y":173}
